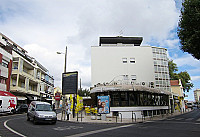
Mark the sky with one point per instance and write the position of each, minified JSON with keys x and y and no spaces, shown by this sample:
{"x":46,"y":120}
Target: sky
{"x":43,"y":27}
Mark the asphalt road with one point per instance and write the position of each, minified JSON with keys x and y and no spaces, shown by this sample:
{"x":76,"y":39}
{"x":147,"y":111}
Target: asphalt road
{"x":186,"y":125}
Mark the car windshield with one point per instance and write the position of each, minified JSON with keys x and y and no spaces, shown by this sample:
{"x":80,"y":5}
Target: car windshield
{"x":43,"y":107}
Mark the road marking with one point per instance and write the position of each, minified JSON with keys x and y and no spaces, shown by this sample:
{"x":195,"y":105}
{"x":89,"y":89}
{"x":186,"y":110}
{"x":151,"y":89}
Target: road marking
{"x":189,"y":119}
{"x":5,"y":125}
{"x":198,"y":119}
{"x":98,"y":131}
{"x":67,"y":128}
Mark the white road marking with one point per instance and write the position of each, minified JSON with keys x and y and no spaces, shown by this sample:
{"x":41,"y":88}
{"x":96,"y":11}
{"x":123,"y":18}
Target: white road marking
{"x":189,"y":119}
{"x":67,"y":128}
{"x":98,"y":131}
{"x":198,"y":119}
{"x":5,"y":125}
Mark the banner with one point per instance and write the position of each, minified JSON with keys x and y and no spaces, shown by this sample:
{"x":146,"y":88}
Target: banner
{"x":103,"y":104}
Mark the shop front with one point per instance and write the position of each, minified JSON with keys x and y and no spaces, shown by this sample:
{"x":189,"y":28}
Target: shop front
{"x":129,"y":99}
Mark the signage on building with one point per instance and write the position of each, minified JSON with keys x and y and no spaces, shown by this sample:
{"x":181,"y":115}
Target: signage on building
{"x":70,"y":82}
{"x":103,"y":104}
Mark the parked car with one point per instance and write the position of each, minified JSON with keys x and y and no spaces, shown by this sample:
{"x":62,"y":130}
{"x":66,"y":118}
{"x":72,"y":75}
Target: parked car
{"x":41,"y":112}
{"x":22,"y":108}
{"x":189,"y":105}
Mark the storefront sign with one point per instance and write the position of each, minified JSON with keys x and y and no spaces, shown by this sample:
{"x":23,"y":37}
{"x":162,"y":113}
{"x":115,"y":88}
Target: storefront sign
{"x":103,"y":104}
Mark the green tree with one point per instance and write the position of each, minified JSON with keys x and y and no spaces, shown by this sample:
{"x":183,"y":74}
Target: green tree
{"x":184,"y":76}
{"x":189,"y":28}
{"x":84,"y":92}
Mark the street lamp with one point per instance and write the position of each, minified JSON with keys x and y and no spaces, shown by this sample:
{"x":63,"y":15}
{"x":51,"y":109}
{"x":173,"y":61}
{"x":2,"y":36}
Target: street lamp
{"x":65,"y":66}
{"x":63,"y":96}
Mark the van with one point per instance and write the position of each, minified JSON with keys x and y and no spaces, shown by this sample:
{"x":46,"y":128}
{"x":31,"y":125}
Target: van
{"x":8,"y":102}
{"x":41,"y":112}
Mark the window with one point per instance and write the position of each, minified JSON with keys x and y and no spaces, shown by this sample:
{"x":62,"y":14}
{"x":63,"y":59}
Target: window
{"x":133,"y":77}
{"x":124,"y":60}
{"x":132,"y":60}
{"x":5,"y":63}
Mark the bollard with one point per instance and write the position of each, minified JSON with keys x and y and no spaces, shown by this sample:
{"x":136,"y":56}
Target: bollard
{"x":77,"y":116}
{"x":81,"y":115}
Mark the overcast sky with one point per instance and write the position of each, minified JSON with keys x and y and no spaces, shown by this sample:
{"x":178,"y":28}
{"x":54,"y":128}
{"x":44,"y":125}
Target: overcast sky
{"x":43,"y":27}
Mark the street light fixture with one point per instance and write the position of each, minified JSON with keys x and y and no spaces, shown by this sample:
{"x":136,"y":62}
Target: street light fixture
{"x":63,"y":96}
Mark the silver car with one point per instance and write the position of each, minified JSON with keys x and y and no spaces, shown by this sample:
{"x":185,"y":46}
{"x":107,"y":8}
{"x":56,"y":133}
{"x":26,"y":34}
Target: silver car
{"x":41,"y":112}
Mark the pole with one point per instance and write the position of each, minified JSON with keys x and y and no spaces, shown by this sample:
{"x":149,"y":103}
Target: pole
{"x":63,"y":96}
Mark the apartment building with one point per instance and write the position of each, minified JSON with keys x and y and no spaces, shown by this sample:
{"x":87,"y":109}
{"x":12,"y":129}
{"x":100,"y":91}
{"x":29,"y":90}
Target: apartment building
{"x":29,"y":79}
{"x":121,"y":60}
{"x":5,"y":67}
{"x":197,"y":95}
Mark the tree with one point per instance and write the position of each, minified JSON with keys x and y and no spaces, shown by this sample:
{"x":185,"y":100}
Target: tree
{"x":172,"y":69}
{"x":189,"y":28}
{"x":184,"y":76}
{"x":84,"y":92}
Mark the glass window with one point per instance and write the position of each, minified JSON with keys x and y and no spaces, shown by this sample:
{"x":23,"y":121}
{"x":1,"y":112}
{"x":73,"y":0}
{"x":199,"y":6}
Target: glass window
{"x":124,"y":99}
{"x":124,"y":60}
{"x":132,"y":60}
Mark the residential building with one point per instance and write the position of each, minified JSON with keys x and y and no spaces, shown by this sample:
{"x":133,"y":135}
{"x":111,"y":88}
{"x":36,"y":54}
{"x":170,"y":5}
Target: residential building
{"x":135,"y":77}
{"x":197,"y":95}
{"x":5,"y":67}
{"x":178,"y":95}
{"x":29,"y":80}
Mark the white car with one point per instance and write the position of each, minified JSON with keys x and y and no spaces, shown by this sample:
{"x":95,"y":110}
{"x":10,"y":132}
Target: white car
{"x":41,"y":112}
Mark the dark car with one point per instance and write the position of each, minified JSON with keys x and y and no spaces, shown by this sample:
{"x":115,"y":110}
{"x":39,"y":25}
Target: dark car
{"x":22,"y":108}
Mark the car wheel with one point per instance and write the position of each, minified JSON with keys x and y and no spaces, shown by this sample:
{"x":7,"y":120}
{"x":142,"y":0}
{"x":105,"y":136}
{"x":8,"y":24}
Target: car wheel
{"x":28,"y":119}
{"x":54,"y":122}
{"x":34,"y":121}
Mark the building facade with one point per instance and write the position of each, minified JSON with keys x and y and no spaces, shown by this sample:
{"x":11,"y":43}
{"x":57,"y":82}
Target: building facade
{"x":29,"y":79}
{"x":136,"y":78}
{"x":197,"y":95}
{"x":121,"y":60}
{"x":178,"y":95}
{"x":5,"y":67}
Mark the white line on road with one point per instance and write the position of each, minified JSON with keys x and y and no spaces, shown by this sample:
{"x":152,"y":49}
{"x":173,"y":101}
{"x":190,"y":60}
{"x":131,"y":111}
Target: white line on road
{"x":5,"y":125}
{"x":98,"y":131}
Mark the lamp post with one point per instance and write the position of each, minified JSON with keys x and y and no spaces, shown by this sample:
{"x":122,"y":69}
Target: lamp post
{"x":63,"y":96}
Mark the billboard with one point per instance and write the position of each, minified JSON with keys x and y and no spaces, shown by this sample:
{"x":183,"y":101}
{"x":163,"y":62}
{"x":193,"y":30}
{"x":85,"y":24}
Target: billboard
{"x":103,"y":104}
{"x":70,"y":82}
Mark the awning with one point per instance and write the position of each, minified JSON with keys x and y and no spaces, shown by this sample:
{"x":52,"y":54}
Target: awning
{"x":21,"y":98}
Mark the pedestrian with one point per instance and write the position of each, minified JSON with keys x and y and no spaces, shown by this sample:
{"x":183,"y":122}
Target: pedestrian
{"x":67,"y":111}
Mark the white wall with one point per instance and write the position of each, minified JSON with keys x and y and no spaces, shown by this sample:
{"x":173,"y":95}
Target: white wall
{"x":106,"y":62}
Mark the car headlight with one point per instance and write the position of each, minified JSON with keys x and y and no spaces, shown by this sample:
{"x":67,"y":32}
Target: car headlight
{"x":40,"y":116}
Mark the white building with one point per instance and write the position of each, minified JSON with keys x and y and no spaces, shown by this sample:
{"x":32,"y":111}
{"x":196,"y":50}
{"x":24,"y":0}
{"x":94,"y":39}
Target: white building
{"x":197,"y":95}
{"x":135,"y":77}
{"x":121,"y":60}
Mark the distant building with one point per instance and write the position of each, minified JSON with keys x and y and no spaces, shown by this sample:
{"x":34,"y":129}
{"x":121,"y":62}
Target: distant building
{"x":29,"y":80}
{"x":178,"y":95}
{"x":197,"y":95}
{"x":135,"y":77}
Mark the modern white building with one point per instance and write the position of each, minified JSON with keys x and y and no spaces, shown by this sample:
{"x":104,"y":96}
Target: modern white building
{"x":121,"y":60}
{"x":135,"y":77}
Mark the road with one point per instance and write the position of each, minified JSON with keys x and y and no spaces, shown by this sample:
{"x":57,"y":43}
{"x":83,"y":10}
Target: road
{"x":185,"y":125}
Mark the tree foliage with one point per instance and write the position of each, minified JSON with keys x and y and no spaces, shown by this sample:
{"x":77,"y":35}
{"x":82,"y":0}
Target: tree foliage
{"x":84,"y":92}
{"x":184,"y":76}
{"x":189,"y":28}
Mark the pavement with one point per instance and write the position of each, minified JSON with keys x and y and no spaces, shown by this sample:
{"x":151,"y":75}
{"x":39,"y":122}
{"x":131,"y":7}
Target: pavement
{"x":89,"y":118}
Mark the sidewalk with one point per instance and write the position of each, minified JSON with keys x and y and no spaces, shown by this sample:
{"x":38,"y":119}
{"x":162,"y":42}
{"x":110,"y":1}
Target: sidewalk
{"x":94,"y":119}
